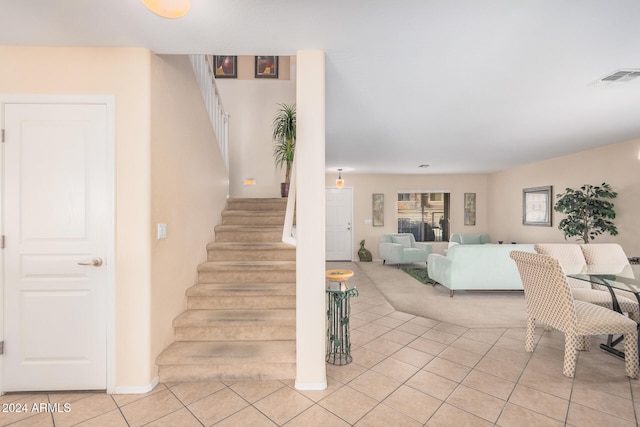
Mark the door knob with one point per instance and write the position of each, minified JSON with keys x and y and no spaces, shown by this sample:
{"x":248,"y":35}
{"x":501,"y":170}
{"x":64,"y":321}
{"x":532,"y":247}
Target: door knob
{"x":96,"y":262}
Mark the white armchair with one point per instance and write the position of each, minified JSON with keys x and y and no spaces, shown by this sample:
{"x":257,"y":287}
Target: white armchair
{"x":402,"y":248}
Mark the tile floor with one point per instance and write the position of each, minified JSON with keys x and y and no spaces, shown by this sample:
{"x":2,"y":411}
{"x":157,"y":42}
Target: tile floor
{"x":406,"y":371}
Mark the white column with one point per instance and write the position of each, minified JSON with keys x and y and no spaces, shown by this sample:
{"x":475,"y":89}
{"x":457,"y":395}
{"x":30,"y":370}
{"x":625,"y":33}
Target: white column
{"x":311,"y":373}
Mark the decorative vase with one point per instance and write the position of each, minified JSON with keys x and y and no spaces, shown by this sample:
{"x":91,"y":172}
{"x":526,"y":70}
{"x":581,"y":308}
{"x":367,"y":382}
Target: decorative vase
{"x":284,"y":189}
{"x":364,"y":254}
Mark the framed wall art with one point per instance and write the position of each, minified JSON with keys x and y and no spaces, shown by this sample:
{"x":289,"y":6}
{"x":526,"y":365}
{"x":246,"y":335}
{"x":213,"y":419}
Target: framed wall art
{"x":225,"y":67}
{"x":378,"y":210}
{"x":267,"y":67}
{"x":536,"y":206}
{"x":469,"y":208}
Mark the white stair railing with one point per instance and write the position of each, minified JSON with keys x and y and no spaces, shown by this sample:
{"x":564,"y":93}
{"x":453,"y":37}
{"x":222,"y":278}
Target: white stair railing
{"x":289,"y":231}
{"x":213,"y":103}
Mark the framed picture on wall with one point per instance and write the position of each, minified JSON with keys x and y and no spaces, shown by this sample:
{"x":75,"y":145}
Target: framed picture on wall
{"x":536,"y":206}
{"x":266,"y":67}
{"x":378,"y":210}
{"x":225,"y":67}
{"x":469,"y":208}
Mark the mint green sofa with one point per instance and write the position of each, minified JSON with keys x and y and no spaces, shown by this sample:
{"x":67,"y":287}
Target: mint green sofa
{"x":477,"y":267}
{"x":402,"y":248}
{"x":469,"y":238}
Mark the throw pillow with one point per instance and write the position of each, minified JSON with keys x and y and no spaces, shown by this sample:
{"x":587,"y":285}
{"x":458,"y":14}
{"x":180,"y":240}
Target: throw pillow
{"x":405,"y":241}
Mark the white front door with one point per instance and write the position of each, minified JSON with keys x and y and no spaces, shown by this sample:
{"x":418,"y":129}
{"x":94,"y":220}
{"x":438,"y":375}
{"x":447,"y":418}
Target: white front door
{"x":58,"y":215}
{"x":339,"y":241}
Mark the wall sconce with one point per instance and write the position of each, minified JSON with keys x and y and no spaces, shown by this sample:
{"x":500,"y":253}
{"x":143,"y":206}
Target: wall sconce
{"x":168,"y":8}
{"x":339,"y":181}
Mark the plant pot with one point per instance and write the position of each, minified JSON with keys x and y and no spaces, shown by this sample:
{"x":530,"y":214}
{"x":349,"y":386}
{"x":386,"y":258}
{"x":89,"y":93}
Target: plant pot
{"x":284,"y":189}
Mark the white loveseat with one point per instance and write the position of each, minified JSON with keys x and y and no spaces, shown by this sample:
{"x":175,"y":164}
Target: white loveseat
{"x":477,"y":267}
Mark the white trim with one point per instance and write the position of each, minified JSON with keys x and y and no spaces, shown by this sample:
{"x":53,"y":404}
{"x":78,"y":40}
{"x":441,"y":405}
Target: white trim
{"x":109,"y":102}
{"x":137,"y":389}
{"x":2,"y":202}
{"x":111,"y":243}
{"x":311,"y":386}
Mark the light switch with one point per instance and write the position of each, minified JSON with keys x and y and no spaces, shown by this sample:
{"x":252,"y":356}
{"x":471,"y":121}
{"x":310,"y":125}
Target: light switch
{"x":368,"y":221}
{"x":162,"y":231}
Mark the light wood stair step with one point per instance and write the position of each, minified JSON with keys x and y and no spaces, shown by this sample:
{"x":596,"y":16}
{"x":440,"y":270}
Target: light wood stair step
{"x":246,"y":251}
{"x":248,"y":233}
{"x":257,"y":204}
{"x":226,"y":318}
{"x":244,"y":325}
{"x":229,"y":296}
{"x":246,"y":271}
{"x":249,"y":217}
{"x":243,"y":360}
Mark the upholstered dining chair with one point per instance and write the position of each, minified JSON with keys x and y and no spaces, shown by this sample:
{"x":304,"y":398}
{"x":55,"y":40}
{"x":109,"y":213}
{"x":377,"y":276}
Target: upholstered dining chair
{"x":573,"y":260}
{"x":549,"y":300}
{"x":604,"y":254}
{"x":607,"y":258}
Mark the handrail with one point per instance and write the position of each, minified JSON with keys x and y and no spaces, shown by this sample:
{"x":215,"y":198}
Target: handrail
{"x":213,"y":103}
{"x":289,"y":230}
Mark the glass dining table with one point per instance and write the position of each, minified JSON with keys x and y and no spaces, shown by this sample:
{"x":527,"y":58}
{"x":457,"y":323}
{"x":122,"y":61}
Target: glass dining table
{"x":614,"y":277}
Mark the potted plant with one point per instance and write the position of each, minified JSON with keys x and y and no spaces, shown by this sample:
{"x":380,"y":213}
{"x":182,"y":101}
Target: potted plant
{"x":588,"y":211}
{"x":284,"y":137}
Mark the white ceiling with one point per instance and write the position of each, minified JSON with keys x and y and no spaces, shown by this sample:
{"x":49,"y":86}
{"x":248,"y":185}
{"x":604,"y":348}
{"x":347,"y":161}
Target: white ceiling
{"x":466,"y":86}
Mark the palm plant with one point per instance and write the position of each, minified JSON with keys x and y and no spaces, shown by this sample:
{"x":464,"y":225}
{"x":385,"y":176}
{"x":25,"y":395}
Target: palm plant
{"x":284,"y":136}
{"x":588,"y":213}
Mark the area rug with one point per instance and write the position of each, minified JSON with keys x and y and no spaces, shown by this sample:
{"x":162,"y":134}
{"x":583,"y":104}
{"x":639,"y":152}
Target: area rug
{"x":469,"y":309}
{"x":420,"y":274}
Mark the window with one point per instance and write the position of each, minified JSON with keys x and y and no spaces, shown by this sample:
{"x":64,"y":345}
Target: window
{"x":425,"y":215}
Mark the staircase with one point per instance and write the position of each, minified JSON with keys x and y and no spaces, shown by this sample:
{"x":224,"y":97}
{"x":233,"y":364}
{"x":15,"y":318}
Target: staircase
{"x":240,"y":319}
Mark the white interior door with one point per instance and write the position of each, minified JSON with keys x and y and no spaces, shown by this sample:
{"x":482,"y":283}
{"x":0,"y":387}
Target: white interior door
{"x":339,"y":240}
{"x":57,"y":210}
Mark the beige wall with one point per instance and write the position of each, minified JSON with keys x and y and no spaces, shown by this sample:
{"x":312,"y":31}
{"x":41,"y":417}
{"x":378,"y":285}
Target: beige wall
{"x":616,"y":164}
{"x":189,"y":186}
{"x":252,"y":105}
{"x":123,"y":73}
{"x":140,"y":331}
{"x":364,"y":186}
{"x":499,"y":196}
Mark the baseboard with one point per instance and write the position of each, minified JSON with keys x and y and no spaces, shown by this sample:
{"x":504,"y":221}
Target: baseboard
{"x":137,"y":389}
{"x":311,"y":386}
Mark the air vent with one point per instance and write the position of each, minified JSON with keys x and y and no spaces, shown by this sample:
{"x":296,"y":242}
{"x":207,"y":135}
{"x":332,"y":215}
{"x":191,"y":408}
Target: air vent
{"x":620,"y":76}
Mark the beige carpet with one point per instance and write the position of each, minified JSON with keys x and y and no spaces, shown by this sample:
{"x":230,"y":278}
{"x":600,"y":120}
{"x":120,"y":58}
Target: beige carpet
{"x":468,"y":309}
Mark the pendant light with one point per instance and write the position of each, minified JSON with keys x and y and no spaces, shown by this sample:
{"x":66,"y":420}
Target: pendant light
{"x":339,"y":181}
{"x":168,"y":8}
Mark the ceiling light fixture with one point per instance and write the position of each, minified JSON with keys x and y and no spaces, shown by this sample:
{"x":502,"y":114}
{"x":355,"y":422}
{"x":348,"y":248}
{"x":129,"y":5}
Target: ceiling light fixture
{"x":340,"y":181}
{"x":168,"y":8}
